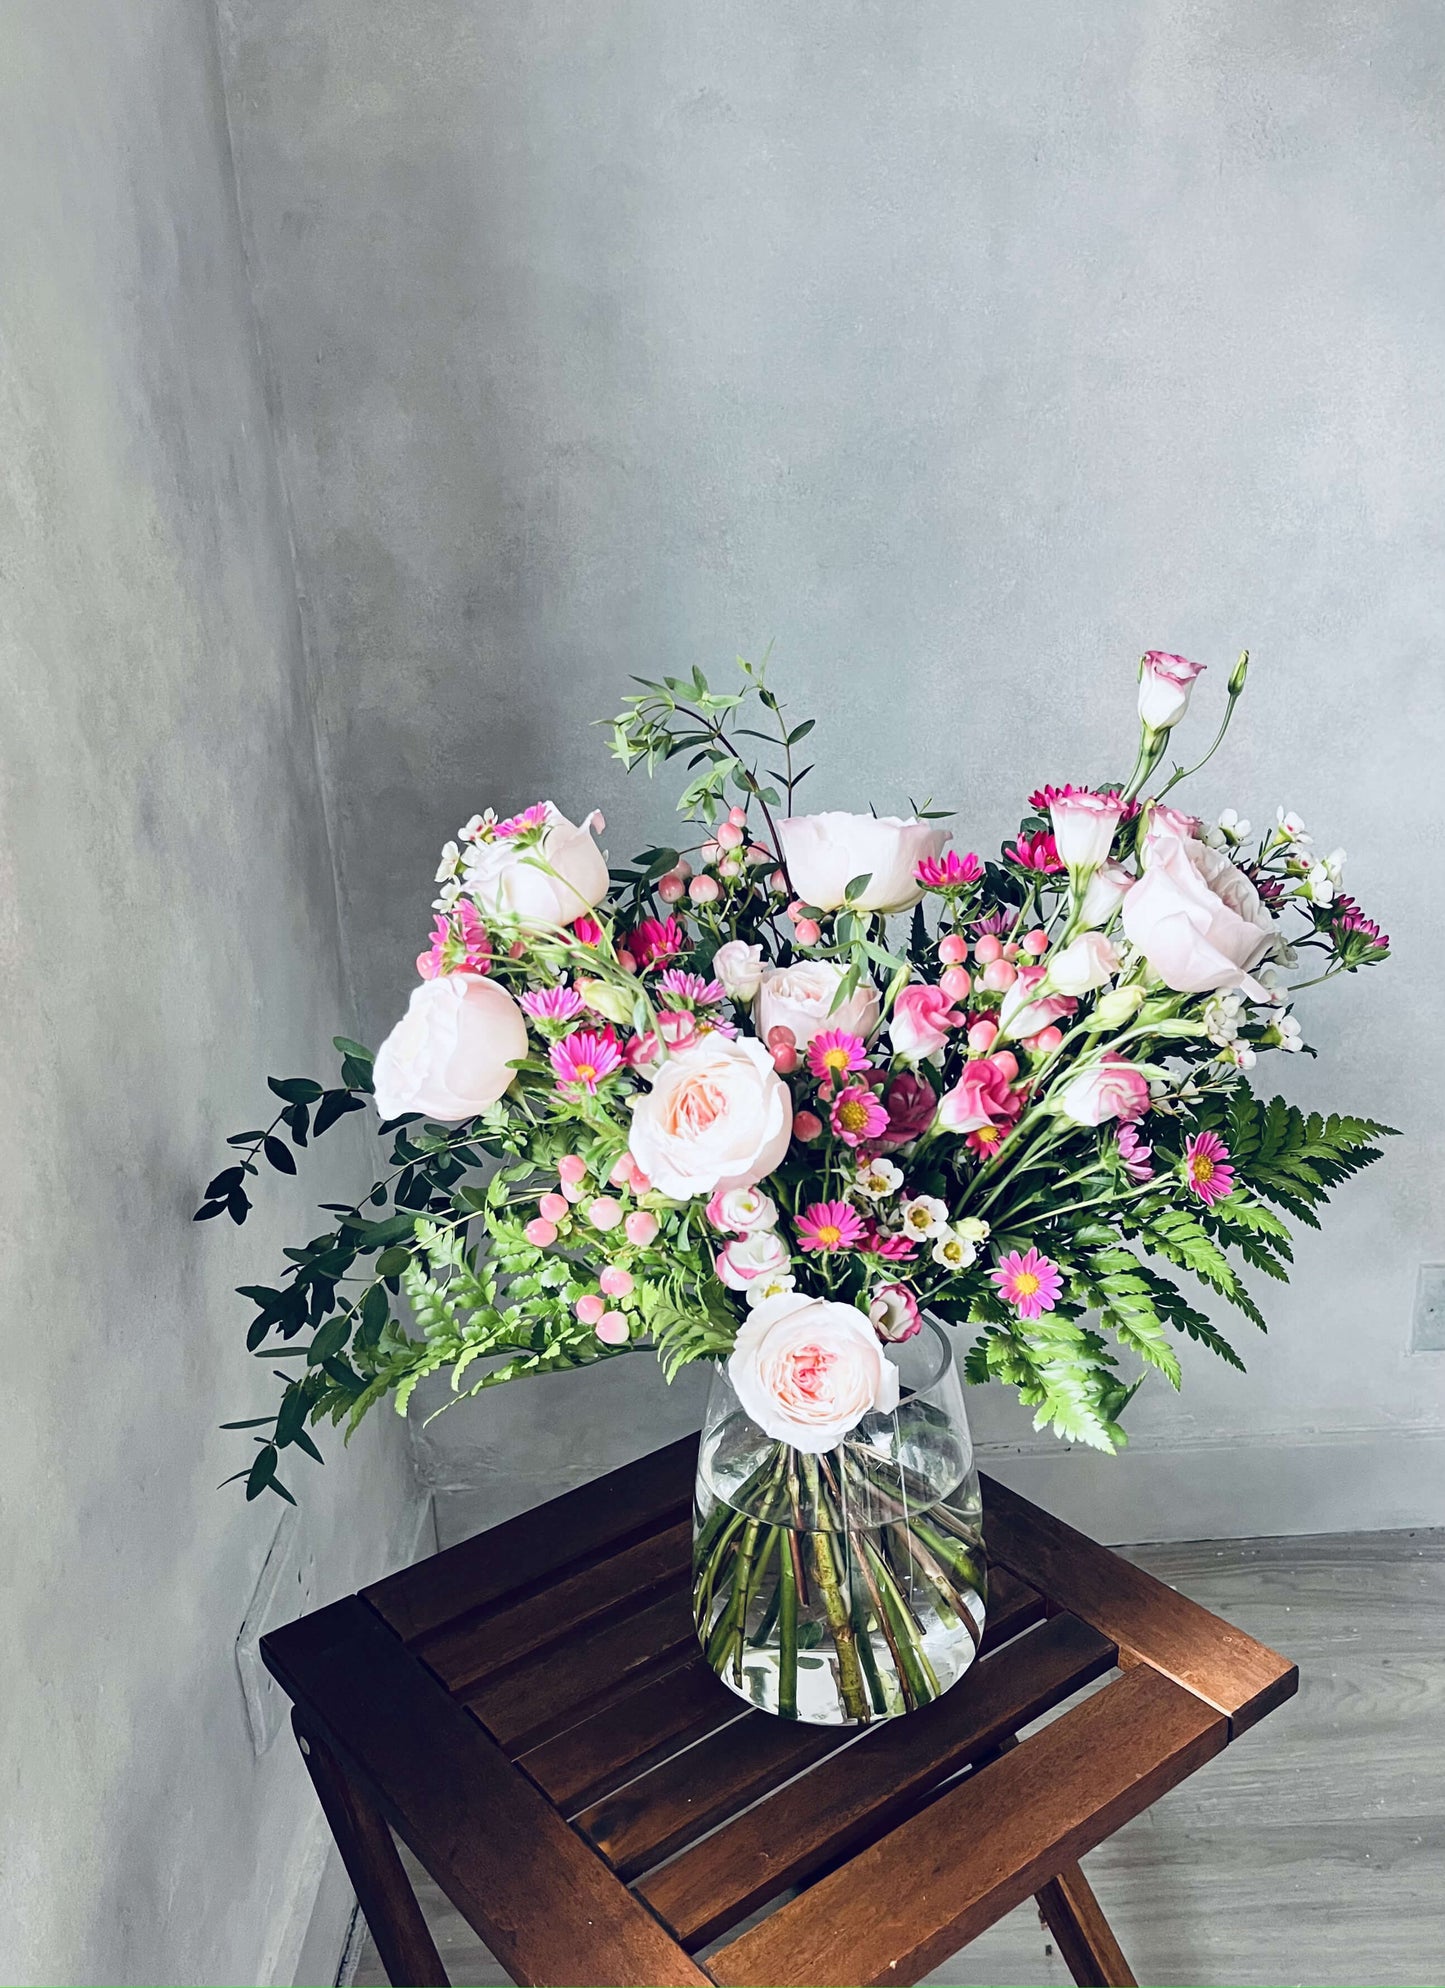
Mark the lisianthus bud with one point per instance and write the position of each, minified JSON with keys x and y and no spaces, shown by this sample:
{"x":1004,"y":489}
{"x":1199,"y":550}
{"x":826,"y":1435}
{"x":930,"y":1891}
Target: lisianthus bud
{"x":1118,"y":1006}
{"x":615,"y":1003}
{"x":1165,"y":683}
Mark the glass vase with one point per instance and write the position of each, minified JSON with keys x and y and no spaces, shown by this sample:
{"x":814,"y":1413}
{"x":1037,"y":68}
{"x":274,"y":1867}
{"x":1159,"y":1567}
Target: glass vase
{"x":850,"y":1586}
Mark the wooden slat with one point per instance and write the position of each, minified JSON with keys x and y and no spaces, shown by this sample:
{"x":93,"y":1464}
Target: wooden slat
{"x":522,"y":1553}
{"x":900,"y":1907}
{"x":545,"y":1903}
{"x":684,"y":1796}
{"x":653,"y":1720}
{"x":1082,"y":1934}
{"x":557,"y":1687}
{"x":483,"y":1643}
{"x":1217,"y":1662}
{"x":867,"y":1789}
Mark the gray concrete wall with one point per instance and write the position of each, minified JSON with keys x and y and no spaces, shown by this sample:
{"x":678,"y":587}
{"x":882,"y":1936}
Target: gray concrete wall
{"x":965,"y":350}
{"x":167,"y":936}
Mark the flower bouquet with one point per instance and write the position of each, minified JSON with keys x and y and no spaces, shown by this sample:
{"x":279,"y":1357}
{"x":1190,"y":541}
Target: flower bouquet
{"x":800,"y":1100}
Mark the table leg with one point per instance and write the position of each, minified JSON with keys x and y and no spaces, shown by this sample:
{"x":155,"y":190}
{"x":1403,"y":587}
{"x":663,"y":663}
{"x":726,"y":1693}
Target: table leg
{"x":383,"y":1890}
{"x":1083,"y":1935}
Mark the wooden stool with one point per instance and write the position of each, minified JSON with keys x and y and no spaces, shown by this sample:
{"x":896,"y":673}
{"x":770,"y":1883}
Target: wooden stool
{"x":531,"y":1715}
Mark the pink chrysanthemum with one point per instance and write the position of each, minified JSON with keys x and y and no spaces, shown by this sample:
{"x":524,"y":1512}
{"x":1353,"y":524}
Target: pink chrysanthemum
{"x":1036,"y":852}
{"x":858,"y":1115}
{"x":586,"y":931}
{"x":1028,"y":1281}
{"x":891,"y":1248}
{"x":1043,"y":798}
{"x":528,"y":820}
{"x":691,"y":987}
{"x":836,"y":1053}
{"x":994,"y":924}
{"x":460,"y":948}
{"x":1206,"y":1167}
{"x":984,"y":1141}
{"x":950,"y":871}
{"x":552,"y":1004}
{"x":583,"y":1059}
{"x":655,"y":941}
{"x":1137,"y":1157}
{"x":830,"y":1225}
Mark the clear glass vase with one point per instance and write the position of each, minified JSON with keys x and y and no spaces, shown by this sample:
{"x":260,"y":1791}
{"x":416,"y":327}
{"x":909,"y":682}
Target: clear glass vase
{"x":847,"y":1587}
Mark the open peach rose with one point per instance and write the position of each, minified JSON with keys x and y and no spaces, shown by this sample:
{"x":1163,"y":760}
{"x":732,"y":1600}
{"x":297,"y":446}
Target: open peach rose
{"x":718,"y":1116}
{"x":808,"y":1370}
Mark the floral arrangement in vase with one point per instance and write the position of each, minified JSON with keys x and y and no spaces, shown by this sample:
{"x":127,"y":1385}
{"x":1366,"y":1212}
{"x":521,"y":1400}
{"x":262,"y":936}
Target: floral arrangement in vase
{"x":799,"y":1100}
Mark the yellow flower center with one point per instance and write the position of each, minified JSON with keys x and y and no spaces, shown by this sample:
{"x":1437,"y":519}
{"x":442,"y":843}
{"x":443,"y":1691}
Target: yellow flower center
{"x":1025,"y":1284}
{"x":586,"y":1072}
{"x":986,"y":1134}
{"x":830,"y":1235}
{"x":852,"y":1117}
{"x":1202,"y":1168}
{"x":835,"y":1059}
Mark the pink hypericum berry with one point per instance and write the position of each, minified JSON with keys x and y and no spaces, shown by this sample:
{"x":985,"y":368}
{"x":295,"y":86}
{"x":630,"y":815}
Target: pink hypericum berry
{"x":785,"y":1059}
{"x":640,"y":1227}
{"x":574,"y":1189}
{"x":616,"y":1281}
{"x":640,"y":1183}
{"x":781,"y":1037}
{"x":807,"y":931}
{"x":730,"y":836}
{"x":738,"y":817}
{"x":1037,"y":941}
{"x":540,"y":1232}
{"x":778,"y":882}
{"x":605,"y":1212}
{"x":999,"y":975}
{"x":622,"y":1170}
{"x":955,"y":982}
{"x":704,"y":890}
{"x":625,"y":960}
{"x":708,"y":853}
{"x":589,"y":1308}
{"x":806,"y":1125}
{"x":1008,"y":1063}
{"x":671,"y":888}
{"x":517,"y":949}
{"x":757,"y":855}
{"x":1046,"y":1041}
{"x":730,"y":866}
{"x":1010,"y":951}
{"x":953,"y":950}
{"x":982,"y":1035}
{"x":988,"y":948}
{"x":572,"y":1166}
{"x":554,"y":1207}
{"x":682,"y":868}
{"x":612,"y":1328}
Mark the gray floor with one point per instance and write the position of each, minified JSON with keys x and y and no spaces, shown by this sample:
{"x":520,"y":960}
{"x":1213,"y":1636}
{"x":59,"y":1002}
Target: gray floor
{"x":1313,"y":1850}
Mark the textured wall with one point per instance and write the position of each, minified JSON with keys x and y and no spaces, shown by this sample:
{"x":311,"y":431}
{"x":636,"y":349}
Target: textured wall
{"x":966,"y":351}
{"x":167,"y":936}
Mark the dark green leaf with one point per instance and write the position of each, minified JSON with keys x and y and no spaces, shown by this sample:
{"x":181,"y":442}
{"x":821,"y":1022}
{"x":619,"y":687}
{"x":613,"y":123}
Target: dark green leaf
{"x":295,"y":1090}
{"x":262,"y":1471}
{"x":392,"y":1261}
{"x":245,"y":1138}
{"x":255,"y":1422}
{"x":856,"y":886}
{"x":221,"y":1186}
{"x":238,"y":1208}
{"x":349,"y":1048}
{"x":209,"y":1211}
{"x":279,"y":1155}
{"x":356,"y":1075}
{"x":334,"y":1105}
{"x":330,"y":1339}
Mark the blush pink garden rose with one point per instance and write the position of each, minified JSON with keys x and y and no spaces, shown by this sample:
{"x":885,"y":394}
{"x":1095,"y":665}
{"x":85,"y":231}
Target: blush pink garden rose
{"x":718,"y":1115}
{"x":1165,"y":684}
{"x":825,"y":852}
{"x":922,"y":1017}
{"x":1196,"y":918}
{"x":807,"y":1370}
{"x":745,"y":1259}
{"x":1111,"y":1088}
{"x":543,"y":883}
{"x":449,"y":1055}
{"x":800,"y":998}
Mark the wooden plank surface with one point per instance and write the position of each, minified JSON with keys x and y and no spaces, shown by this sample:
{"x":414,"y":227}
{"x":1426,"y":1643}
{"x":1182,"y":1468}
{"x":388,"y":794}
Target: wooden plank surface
{"x":862,"y":1792}
{"x":520,"y":1554}
{"x":903,"y":1905}
{"x":1085,"y":1938}
{"x":654,"y":1719}
{"x":1217,"y":1662}
{"x":545,"y":1902}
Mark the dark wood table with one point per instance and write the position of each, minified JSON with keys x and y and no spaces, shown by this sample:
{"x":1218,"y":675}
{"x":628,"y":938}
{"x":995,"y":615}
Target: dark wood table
{"x":530,"y":1714}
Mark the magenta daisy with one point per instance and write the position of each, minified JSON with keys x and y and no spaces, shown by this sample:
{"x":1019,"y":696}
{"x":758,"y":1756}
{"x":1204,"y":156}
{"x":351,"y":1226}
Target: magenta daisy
{"x":655,"y":941}
{"x":830,"y":1225}
{"x":586,"y":931}
{"x":835,"y":1053}
{"x":1028,"y":1281}
{"x":1206,"y":1167}
{"x":463,"y":949}
{"x":527,"y":821}
{"x":552,"y":1004}
{"x":949,"y":872}
{"x":1035,"y":852}
{"x":690,"y":987}
{"x":891,"y":1248}
{"x":1137,"y":1157}
{"x":858,"y":1115}
{"x":584,"y":1058}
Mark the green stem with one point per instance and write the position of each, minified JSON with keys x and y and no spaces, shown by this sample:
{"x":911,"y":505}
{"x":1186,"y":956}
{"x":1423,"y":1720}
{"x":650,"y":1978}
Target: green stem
{"x":864,"y":1640}
{"x":788,"y":1628}
{"x":850,"y":1675}
{"x":770,"y":1614}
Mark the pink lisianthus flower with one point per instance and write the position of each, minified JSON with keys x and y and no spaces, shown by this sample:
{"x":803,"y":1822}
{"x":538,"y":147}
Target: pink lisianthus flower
{"x":1023,"y":1017}
{"x":1207,"y":1171}
{"x":1136,"y":1157}
{"x":910,"y":1104}
{"x":655,"y":941}
{"x":1084,"y":825}
{"x":890,"y":1247}
{"x":677,"y":1028}
{"x":690,"y":987}
{"x":857,"y":1115}
{"x":1111,"y":1088}
{"x":1165,"y":684}
{"x":642,"y":1051}
{"x":835,"y":1054}
{"x":744,"y":1259}
{"x":922,"y":1017}
{"x":584,"y":1059}
{"x":1036,"y":852}
{"x":894,"y":1312}
{"x":982,"y":1096}
{"x":552,"y":1004}
{"x":830,"y":1225}
{"x":739,"y":1211}
{"x":950,"y":871}
{"x":1028,"y":1281}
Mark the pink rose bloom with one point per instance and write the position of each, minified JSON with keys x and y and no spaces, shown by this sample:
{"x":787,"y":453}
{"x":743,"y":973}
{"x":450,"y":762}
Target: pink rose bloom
{"x":449,"y":1056}
{"x":922,"y":1017}
{"x":1196,"y":918}
{"x":807,"y":1370}
{"x":1165,"y":684}
{"x":741,"y":1210}
{"x":980,"y":1097}
{"x":1023,"y":1017}
{"x":1084,"y":825}
{"x":1110,"y":1088}
{"x":746,"y":1258}
{"x":800,"y":998}
{"x":910,"y":1104}
{"x":825,"y":852}
{"x":894,"y":1312}
{"x":718,"y":1115}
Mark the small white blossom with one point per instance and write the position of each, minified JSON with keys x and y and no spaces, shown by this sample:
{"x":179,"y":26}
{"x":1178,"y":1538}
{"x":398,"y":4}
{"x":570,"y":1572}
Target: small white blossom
{"x":953,"y":1251}
{"x":1318,"y":886}
{"x":1222,"y":1015}
{"x":763,"y":1288}
{"x":924,"y":1216}
{"x":1229,"y":831}
{"x":451,"y":856}
{"x":450,"y":892}
{"x":1240,"y":1054}
{"x":1289,"y":828}
{"x":1290,"y":1034}
{"x":878,"y":1179}
{"x":472,"y":829}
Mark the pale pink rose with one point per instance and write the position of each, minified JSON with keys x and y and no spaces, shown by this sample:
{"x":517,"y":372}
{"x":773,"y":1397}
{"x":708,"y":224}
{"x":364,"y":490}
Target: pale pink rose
{"x":717,"y":1116}
{"x":1197,"y":919}
{"x":1110,"y":1088}
{"x":739,"y":967}
{"x":448,"y":1056}
{"x":741,"y":1210}
{"x":746,"y":1258}
{"x":1084,"y":826}
{"x":825,"y":852}
{"x":981,"y":1096}
{"x":550,"y":884}
{"x":800,"y":998}
{"x":894,"y":1312}
{"x":1161,"y":823}
{"x":1104,"y":893}
{"x":1085,"y":963}
{"x":808,"y":1370}
{"x":922,"y":1017}
{"x":1165,"y":683}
